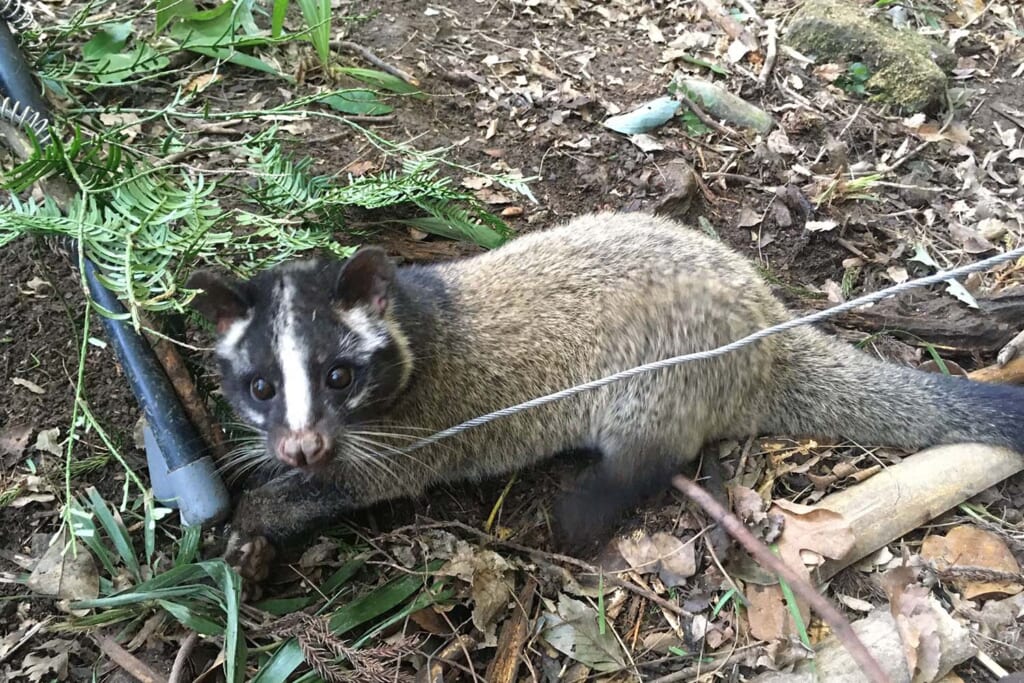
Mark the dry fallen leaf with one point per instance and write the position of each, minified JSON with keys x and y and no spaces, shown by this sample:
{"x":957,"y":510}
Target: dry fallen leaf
{"x":492,"y":196}
{"x":202,"y":82}
{"x":898,"y":274}
{"x":13,"y":441}
{"x":809,"y":537}
{"x":48,"y":441}
{"x":917,"y":624}
{"x":360,"y":168}
{"x":955,"y":132}
{"x":778,"y":142}
{"x":490,"y":579}
{"x":31,"y":386}
{"x":318,"y":554}
{"x":475,"y":182}
{"x":673,"y":560}
{"x":810,"y":534}
{"x":64,"y":573}
{"x":574,"y":631}
{"x":820,"y":226}
{"x":767,"y":613}
{"x":829,"y":73}
{"x":748,"y":218}
{"x":969,"y":546}
{"x":129,"y":123}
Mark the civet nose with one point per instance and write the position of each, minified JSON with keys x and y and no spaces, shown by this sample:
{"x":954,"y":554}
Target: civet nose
{"x":302,"y":448}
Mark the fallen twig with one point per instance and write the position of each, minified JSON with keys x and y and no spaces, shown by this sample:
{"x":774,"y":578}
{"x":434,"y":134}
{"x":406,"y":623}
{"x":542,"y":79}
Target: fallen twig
{"x":917,"y":150}
{"x":704,"y":118}
{"x":504,"y":668}
{"x":185,"y":388}
{"x":749,"y":8}
{"x":833,"y":617}
{"x":728,"y":24}
{"x":1013,"y":349}
{"x":771,"y":52}
{"x":135,"y":667}
{"x":181,"y":659}
{"x":1004,"y":111}
{"x":358,"y":49}
{"x":26,"y":636}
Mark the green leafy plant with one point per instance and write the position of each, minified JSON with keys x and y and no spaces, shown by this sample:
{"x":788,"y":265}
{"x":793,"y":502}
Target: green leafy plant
{"x":855,"y":79}
{"x":694,"y":126}
{"x":224,"y":32}
{"x":108,"y":60}
{"x":205,"y":595}
{"x":317,"y":14}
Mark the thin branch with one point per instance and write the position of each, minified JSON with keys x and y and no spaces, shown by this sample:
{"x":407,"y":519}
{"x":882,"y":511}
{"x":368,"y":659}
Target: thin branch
{"x":181,"y":659}
{"x":138,"y":669}
{"x":358,"y":49}
{"x":732,"y":27}
{"x":771,"y":52}
{"x":833,"y":617}
{"x":704,"y":118}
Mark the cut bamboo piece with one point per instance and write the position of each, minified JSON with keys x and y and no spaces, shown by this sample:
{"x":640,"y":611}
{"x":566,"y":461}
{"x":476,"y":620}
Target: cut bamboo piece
{"x":921,"y":487}
{"x":1011,"y":373}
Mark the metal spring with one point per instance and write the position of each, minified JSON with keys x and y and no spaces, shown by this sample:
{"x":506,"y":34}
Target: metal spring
{"x":17,"y":14}
{"x":24,"y":117}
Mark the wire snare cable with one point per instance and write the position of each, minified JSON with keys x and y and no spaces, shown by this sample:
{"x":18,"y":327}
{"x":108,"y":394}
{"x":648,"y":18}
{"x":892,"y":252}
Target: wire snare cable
{"x":721,"y":350}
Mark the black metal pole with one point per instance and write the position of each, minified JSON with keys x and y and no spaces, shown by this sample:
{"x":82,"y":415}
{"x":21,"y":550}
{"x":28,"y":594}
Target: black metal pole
{"x":180,"y":465}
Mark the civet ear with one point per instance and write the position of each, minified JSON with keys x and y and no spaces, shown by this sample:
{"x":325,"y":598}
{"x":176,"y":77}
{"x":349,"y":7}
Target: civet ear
{"x":222,"y":300}
{"x":365,"y":281}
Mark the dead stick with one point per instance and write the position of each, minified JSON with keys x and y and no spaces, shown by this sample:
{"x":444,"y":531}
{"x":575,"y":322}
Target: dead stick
{"x":504,"y":668}
{"x":771,"y":52}
{"x":185,"y":388}
{"x":178,"y":668}
{"x":349,"y":46}
{"x":562,"y":559}
{"x":833,"y":617}
{"x":136,"y":668}
{"x":1013,"y":349}
{"x":728,"y":24}
{"x":704,"y":118}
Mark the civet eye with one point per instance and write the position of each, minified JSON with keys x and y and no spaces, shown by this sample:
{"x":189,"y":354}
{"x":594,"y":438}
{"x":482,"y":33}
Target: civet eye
{"x":261,"y":389}
{"x":339,"y":377}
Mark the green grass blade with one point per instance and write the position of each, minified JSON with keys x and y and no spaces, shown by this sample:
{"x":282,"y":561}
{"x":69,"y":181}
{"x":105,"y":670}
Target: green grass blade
{"x":288,"y":657}
{"x":277,"y":18}
{"x":188,"y":547}
{"x":189,"y":618}
{"x":116,"y":531}
{"x":234,"y":642}
{"x":381,"y":79}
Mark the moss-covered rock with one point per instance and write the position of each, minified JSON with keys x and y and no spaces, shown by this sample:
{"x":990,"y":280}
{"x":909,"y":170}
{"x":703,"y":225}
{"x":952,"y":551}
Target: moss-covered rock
{"x":906,"y":68}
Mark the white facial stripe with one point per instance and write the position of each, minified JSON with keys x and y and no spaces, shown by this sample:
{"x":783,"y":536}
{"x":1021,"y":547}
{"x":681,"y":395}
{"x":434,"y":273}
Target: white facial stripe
{"x":229,"y":340}
{"x":296,"y":387}
{"x":354,"y":401}
{"x":254,"y":417}
{"x":372,"y":336}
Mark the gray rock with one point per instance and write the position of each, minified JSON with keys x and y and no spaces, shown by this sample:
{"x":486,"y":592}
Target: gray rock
{"x":906,"y":68}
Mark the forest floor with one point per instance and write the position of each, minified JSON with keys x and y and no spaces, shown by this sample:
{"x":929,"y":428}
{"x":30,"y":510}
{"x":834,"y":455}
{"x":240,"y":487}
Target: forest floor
{"x":842,"y":198}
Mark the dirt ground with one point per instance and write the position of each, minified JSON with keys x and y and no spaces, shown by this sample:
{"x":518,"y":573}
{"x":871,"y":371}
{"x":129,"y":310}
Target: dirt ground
{"x":524,"y":86}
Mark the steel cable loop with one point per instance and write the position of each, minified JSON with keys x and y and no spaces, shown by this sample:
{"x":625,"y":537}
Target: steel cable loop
{"x":721,"y":350}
